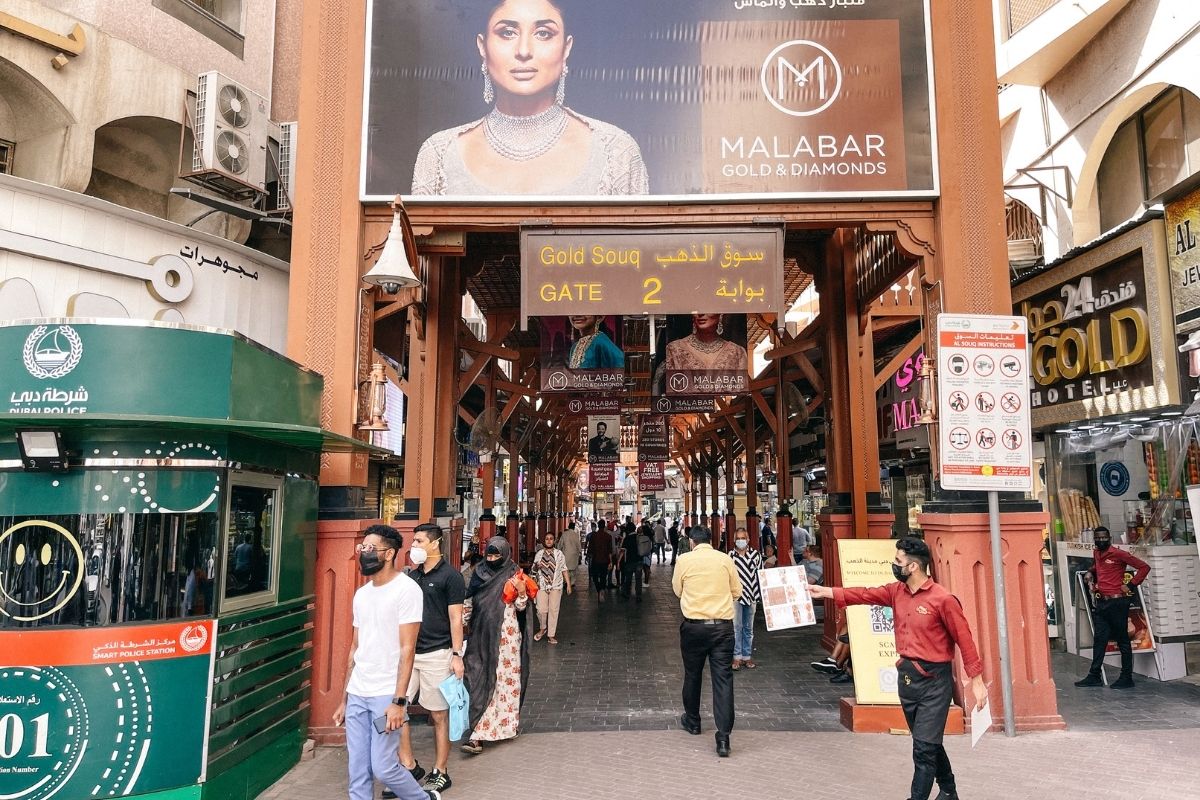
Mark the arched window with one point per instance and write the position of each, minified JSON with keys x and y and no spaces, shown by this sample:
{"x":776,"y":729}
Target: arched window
{"x":1152,"y":151}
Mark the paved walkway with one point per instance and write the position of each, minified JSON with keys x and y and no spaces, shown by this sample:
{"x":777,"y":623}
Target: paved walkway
{"x":600,"y":723}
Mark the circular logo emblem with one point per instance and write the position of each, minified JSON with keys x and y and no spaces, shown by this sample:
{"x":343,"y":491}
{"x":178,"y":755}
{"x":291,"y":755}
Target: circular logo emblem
{"x":1114,"y":478}
{"x":801,"y":78}
{"x":662,"y":405}
{"x":576,"y":406}
{"x":193,"y":638}
{"x":679,"y":382}
{"x":557,"y":380}
{"x":52,"y":353}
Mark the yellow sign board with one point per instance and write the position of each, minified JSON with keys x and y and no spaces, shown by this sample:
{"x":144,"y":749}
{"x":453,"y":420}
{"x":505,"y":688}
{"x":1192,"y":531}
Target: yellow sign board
{"x":867,"y":563}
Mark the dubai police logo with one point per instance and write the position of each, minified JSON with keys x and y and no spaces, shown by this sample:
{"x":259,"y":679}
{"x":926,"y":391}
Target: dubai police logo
{"x":193,"y":638}
{"x":52,"y":353}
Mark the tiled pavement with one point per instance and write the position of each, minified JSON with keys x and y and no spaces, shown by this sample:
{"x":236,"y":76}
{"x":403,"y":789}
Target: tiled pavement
{"x":599,"y":722}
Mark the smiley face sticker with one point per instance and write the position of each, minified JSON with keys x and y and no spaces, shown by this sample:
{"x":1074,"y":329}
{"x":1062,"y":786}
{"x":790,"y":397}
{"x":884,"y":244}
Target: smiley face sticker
{"x":36,"y":581}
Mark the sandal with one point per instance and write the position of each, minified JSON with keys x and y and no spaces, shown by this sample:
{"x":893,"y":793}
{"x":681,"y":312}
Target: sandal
{"x":749,"y":664}
{"x":553,"y":640}
{"x":537,"y":637}
{"x":737,"y":664}
{"x":473,"y":747}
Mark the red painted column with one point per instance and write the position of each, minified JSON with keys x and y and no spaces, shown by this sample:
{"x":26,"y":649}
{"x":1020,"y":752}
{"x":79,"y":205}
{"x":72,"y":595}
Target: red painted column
{"x":731,"y":526}
{"x":512,"y":532}
{"x":754,"y":528}
{"x":487,"y":525}
{"x":962,"y":562}
{"x":337,"y":578}
{"x":833,"y":528}
{"x":716,"y":521}
{"x":529,"y":537}
{"x":783,"y":538}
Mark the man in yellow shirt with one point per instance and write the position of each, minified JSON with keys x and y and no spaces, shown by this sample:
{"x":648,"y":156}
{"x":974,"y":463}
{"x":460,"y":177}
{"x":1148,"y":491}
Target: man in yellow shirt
{"x":706,"y":584}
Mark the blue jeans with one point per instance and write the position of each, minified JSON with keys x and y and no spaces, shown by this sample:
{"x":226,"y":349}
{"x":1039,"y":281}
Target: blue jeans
{"x":743,"y":629}
{"x":373,"y":755}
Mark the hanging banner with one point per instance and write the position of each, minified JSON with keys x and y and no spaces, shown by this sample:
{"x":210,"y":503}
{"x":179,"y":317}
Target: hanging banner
{"x":654,"y":438}
{"x":652,"y":476}
{"x":867,"y":563}
{"x":604,"y":439}
{"x":104,"y":711}
{"x":680,"y":99}
{"x":594,"y":405}
{"x":665,"y":404}
{"x":631,"y":271}
{"x":602,"y":477}
{"x":581,"y":354}
{"x":705,"y":354}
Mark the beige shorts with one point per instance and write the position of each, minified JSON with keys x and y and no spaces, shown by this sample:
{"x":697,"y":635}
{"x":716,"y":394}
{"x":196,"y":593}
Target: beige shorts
{"x":429,"y":670}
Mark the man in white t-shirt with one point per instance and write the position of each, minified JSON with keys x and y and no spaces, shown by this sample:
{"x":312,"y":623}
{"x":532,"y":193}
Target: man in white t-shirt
{"x":387,"y":618}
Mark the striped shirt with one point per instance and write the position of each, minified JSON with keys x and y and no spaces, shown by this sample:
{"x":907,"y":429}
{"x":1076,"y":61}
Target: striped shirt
{"x":748,"y":564}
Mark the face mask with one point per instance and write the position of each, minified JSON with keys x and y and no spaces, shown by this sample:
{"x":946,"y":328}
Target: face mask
{"x":898,"y":571}
{"x":369,"y":563}
{"x":418,"y":555}
{"x":1102,"y":544}
{"x":741,"y":544}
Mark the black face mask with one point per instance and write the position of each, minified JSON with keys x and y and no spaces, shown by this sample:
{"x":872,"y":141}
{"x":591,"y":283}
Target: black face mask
{"x":369,"y":562}
{"x":1102,"y":544}
{"x":898,"y":571}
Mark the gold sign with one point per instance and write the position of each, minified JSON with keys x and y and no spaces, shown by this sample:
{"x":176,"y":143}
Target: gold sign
{"x":1183,"y":231}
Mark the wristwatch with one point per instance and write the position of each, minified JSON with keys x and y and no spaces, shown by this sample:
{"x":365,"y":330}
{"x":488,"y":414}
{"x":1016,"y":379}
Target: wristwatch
{"x":400,"y":701}
{"x":456,"y":653}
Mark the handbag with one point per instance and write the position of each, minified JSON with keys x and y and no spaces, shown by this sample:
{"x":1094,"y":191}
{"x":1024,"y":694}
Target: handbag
{"x":455,"y":692}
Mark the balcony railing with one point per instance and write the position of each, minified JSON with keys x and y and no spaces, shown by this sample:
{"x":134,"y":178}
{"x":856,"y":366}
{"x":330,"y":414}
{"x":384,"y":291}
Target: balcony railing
{"x":1023,"y":12}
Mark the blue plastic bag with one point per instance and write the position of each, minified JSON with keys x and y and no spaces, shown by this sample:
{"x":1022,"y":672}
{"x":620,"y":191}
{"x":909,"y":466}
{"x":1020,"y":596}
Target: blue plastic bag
{"x":456,"y":695}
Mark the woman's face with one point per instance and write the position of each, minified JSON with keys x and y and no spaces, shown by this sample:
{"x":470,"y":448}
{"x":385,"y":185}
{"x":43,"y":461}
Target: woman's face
{"x":706,"y":322}
{"x":525,"y":47}
{"x":548,"y":542}
{"x":584,"y":324}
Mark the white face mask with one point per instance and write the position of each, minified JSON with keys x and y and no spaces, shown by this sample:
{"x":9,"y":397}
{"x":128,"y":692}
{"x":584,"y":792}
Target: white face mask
{"x":741,"y":544}
{"x":418,"y":555}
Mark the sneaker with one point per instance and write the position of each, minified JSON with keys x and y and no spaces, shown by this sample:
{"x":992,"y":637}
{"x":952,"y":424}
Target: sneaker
{"x":842,"y":677}
{"x":417,"y":772}
{"x":433,"y":794}
{"x":828,"y":666}
{"x":1122,"y":683}
{"x":1090,"y":680}
{"x":438,"y":781}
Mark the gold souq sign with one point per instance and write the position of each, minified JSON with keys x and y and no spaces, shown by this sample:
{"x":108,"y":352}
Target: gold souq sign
{"x":1098,"y":329}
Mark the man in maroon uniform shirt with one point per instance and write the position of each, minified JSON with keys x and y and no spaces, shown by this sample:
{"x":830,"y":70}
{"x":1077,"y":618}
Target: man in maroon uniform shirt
{"x":1110,"y":618}
{"x":929,"y":622}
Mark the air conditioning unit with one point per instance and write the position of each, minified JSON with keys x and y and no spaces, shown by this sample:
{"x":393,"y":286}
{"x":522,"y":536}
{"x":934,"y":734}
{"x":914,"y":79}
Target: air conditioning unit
{"x":286,"y":190}
{"x":231,"y":128}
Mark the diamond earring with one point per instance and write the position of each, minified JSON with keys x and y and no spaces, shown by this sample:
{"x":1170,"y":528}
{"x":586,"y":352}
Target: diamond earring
{"x":489,"y":93}
{"x":720,"y":329}
{"x":560,"y":96}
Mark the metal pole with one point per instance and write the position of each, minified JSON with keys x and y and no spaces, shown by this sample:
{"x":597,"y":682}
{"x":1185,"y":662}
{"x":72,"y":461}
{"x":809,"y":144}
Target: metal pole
{"x":1010,"y":725}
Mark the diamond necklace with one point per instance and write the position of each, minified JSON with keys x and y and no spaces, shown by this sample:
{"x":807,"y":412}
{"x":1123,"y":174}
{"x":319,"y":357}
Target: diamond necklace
{"x":525,"y":138}
{"x":707,"y":347}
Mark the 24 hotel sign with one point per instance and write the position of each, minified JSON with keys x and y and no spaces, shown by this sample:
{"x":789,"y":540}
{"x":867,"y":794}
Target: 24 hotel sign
{"x":678,"y":99}
{"x":983,"y":395}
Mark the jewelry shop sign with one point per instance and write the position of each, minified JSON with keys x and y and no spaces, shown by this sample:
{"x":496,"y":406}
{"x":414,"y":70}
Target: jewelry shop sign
{"x":530,"y":101}
{"x":599,"y":271}
{"x":983,"y":396}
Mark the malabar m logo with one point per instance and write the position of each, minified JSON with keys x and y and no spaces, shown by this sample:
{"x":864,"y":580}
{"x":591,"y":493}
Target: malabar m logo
{"x":52,"y":352}
{"x":801,"y":78}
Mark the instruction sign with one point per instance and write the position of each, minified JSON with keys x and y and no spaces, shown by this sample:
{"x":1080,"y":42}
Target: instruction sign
{"x":983,"y":366}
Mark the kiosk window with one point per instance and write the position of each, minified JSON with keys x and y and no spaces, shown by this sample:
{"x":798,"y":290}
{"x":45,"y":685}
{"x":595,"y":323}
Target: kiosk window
{"x":106,"y":569}
{"x":251,"y":544}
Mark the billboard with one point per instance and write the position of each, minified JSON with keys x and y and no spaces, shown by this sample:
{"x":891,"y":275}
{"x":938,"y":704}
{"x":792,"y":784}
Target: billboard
{"x":572,"y":101}
{"x":604,"y":439}
{"x":705,"y":355}
{"x":581,"y":353}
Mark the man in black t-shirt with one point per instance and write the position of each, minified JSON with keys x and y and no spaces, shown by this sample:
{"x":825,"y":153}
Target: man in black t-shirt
{"x":439,"y":648}
{"x":631,"y":564}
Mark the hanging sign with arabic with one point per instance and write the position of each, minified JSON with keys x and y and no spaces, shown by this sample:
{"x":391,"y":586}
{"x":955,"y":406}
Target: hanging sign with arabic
{"x":677,"y":271}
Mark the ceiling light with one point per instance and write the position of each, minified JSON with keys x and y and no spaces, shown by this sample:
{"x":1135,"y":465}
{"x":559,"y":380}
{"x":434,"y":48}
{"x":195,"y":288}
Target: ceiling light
{"x":1139,"y":419}
{"x":1172,"y":413}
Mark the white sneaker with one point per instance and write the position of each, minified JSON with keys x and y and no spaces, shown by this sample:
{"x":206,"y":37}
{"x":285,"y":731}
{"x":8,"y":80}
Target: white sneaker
{"x":646,"y":584}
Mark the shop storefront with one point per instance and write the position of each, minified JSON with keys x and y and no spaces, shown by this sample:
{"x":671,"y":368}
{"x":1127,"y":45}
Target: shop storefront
{"x":903,"y":445}
{"x":1106,"y":400}
{"x":157,"y":514}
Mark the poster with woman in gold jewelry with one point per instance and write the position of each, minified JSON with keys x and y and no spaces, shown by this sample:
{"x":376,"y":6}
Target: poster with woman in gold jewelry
{"x":704,"y":354}
{"x":569,"y":100}
{"x":581,"y":354}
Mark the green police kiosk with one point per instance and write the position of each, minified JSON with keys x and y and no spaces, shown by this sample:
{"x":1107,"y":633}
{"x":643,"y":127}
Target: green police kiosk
{"x":158,"y":497}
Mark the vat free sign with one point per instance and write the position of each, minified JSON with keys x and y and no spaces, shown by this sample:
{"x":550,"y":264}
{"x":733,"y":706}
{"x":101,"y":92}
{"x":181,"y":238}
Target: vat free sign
{"x":679,"y":271}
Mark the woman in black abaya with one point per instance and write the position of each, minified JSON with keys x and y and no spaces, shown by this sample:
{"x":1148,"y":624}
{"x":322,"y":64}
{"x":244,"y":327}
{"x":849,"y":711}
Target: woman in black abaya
{"x":497,"y":659}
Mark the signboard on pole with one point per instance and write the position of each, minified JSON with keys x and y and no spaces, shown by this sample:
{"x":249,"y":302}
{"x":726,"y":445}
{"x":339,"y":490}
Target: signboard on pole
{"x":652,"y":476}
{"x":654,"y":438}
{"x":604,"y":439}
{"x":104,"y":711}
{"x":602,"y":477}
{"x":983,"y":396}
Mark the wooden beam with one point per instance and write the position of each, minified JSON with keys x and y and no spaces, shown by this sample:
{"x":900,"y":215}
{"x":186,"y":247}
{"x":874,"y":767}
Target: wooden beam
{"x":904,"y":354}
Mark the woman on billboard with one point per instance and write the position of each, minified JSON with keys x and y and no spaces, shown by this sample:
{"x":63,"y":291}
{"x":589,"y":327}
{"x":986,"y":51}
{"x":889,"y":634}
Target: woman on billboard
{"x":594,"y":349}
{"x":530,"y":143}
{"x":705,"y":349}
